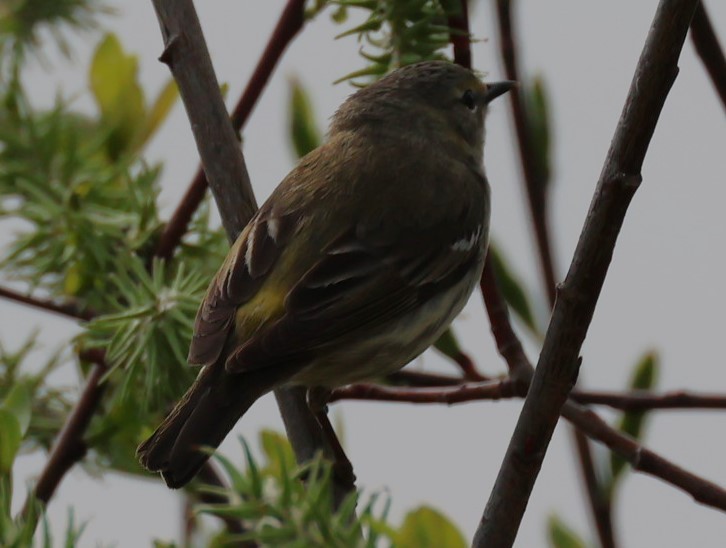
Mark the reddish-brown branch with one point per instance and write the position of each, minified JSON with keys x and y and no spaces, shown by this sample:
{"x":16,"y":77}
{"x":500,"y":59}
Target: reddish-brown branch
{"x":69,"y":310}
{"x":643,"y":459}
{"x":644,"y":400}
{"x":577,"y":297}
{"x":490,"y":390}
{"x":290,"y":22}
{"x":588,"y":422}
{"x":416,"y":387}
{"x":461,"y":39}
{"x":709,"y":50}
{"x":69,"y":447}
{"x":534,"y":181}
{"x":420,"y":379}
{"x":508,"y":344}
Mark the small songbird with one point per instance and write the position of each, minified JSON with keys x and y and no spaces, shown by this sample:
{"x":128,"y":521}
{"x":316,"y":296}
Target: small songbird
{"x":358,"y":261}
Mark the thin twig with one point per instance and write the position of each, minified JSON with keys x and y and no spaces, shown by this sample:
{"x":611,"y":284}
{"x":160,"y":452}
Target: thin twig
{"x":643,"y":459}
{"x":709,"y":50}
{"x":413,"y":387}
{"x":186,"y":54}
{"x":290,"y":22}
{"x":642,"y":400}
{"x":461,"y":39}
{"x":534,"y":181}
{"x":559,"y":364}
{"x":69,"y":447}
{"x":69,"y":310}
{"x":489,"y":390}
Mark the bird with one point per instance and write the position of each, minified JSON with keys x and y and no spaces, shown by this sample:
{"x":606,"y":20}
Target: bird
{"x":358,"y":261}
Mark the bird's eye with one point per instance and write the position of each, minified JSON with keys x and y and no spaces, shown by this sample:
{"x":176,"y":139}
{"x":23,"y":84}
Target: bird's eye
{"x":469,"y":100}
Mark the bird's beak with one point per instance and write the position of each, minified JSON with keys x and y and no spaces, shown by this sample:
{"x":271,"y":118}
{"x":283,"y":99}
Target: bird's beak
{"x":496,"y":89}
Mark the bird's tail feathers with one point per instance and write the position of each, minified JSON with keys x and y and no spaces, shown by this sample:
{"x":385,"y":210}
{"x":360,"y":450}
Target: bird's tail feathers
{"x":202,"y":418}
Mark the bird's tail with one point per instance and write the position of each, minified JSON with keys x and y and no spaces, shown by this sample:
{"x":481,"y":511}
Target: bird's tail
{"x":202,"y":418}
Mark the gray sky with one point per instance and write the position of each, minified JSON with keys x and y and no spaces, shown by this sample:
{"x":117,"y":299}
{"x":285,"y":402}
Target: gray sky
{"x":664,"y":290}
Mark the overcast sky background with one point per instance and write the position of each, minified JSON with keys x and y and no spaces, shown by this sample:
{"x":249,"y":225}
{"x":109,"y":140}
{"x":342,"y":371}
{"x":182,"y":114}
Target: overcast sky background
{"x":664,"y":291}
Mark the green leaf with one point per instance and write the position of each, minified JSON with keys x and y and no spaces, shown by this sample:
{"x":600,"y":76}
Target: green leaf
{"x":10,"y":438}
{"x":632,"y":423}
{"x":561,"y":536}
{"x":513,"y":290}
{"x":448,"y":345}
{"x":537,"y":104}
{"x":114,"y":83}
{"x":304,"y":133}
{"x":159,"y":110}
{"x":426,"y":527}
{"x":19,"y":402}
{"x":278,"y":453}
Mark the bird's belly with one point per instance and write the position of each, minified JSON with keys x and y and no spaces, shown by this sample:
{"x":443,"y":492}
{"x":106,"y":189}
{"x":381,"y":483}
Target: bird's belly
{"x":393,"y":345}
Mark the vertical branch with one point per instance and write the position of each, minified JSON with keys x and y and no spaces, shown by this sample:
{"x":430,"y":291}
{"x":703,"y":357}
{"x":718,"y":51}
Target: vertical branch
{"x":709,"y":50}
{"x":186,"y":54}
{"x":558,"y":364}
{"x":533,"y":178}
{"x":290,"y":22}
{"x":460,"y":38}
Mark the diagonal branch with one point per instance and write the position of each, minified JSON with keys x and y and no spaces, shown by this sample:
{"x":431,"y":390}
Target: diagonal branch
{"x":186,"y":54}
{"x":558,"y":364}
{"x":709,"y":50}
{"x":69,"y":447}
{"x":290,"y":22}
{"x":68,"y":309}
{"x":536,"y":188}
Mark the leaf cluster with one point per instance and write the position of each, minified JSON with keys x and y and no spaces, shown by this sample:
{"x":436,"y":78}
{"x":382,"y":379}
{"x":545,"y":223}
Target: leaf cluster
{"x":282,"y":504}
{"x":397,"y":33}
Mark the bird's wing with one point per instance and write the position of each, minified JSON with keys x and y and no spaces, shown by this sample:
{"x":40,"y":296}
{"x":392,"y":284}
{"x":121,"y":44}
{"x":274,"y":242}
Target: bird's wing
{"x":244,"y":271}
{"x":364,"y":279}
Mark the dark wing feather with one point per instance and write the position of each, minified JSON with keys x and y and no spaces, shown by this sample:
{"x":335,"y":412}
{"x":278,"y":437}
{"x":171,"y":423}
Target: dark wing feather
{"x":360,"y":281}
{"x":244,"y":271}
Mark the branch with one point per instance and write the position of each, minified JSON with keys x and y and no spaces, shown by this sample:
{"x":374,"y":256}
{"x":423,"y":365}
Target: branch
{"x":69,"y":310}
{"x":461,"y":39}
{"x":490,"y":390}
{"x":534,"y":182}
{"x":641,"y":400}
{"x":69,"y":447}
{"x":558,"y":364}
{"x":587,"y":422}
{"x":290,"y":22}
{"x":186,"y":54}
{"x":709,"y":50}
{"x":643,"y":459}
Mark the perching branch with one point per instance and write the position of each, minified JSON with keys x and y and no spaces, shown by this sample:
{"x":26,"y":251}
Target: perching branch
{"x":290,"y":22}
{"x":186,"y":54}
{"x":558,"y":363}
{"x":709,"y":50}
{"x":452,"y":390}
